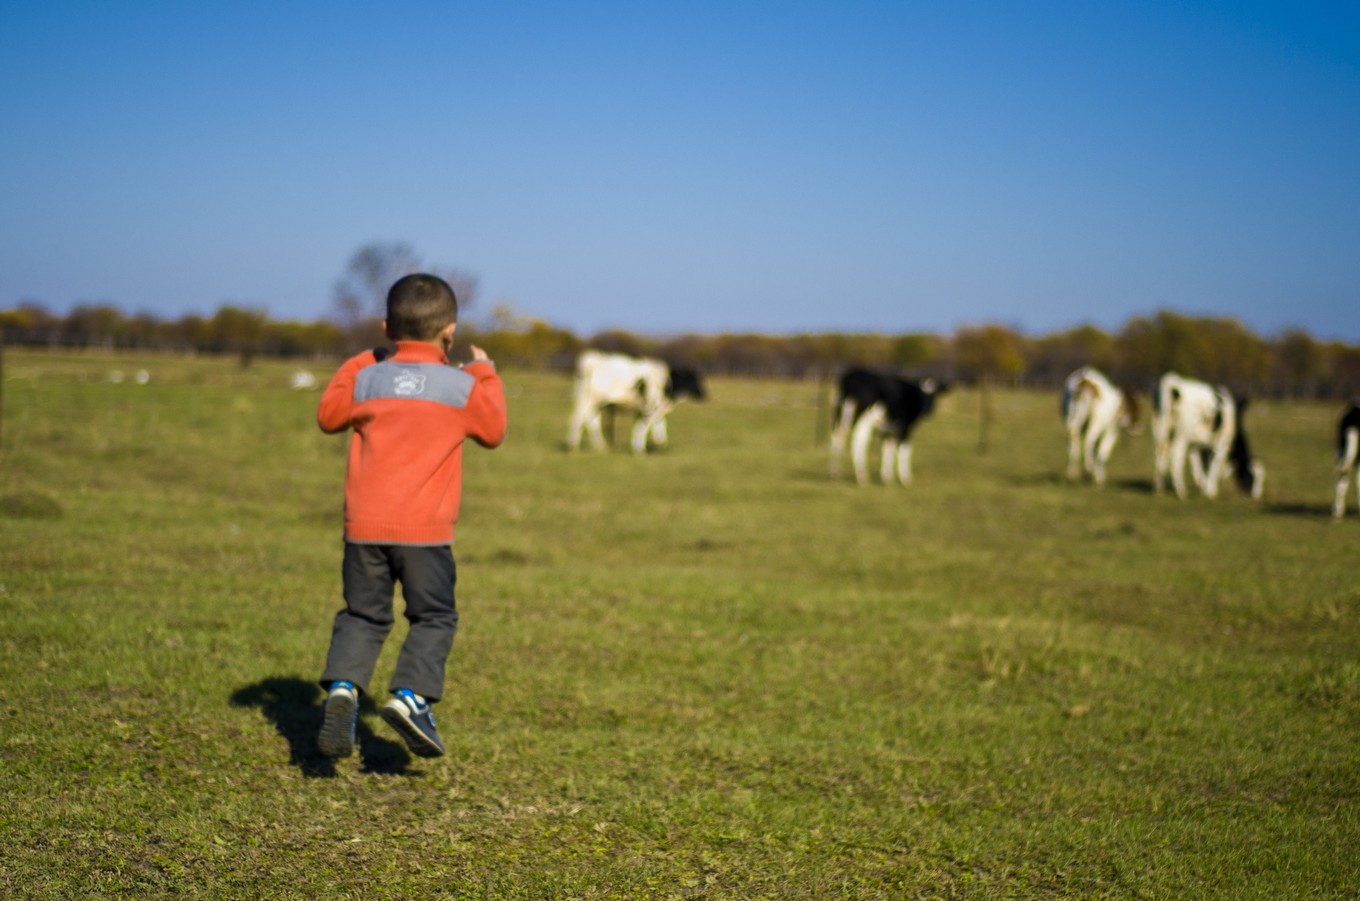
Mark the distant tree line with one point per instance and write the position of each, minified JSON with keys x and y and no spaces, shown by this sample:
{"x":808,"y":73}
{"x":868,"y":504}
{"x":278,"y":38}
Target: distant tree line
{"x":231,"y":330}
{"x":1217,"y":349}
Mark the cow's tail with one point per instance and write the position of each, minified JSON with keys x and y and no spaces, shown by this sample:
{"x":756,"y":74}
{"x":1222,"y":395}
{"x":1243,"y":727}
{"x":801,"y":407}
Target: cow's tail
{"x":1164,"y":397}
{"x":1073,"y":389}
{"x":1163,"y":394}
{"x":1070,"y":391}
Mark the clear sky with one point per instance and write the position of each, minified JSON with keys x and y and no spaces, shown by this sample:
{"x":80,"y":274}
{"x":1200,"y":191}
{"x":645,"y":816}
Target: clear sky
{"x":694,"y":166}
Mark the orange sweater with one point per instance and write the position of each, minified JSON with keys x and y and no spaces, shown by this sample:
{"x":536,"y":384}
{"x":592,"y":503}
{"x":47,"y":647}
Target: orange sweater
{"x":410,"y":413}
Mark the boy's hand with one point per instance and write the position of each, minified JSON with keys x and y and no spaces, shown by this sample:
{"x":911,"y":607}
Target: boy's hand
{"x":477,"y":353}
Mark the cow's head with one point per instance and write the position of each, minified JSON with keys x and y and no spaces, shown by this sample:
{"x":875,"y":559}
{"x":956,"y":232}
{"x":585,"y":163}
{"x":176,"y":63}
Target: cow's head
{"x":1249,"y":474}
{"x":684,"y":382}
{"x":931,"y":389}
{"x":931,"y":386}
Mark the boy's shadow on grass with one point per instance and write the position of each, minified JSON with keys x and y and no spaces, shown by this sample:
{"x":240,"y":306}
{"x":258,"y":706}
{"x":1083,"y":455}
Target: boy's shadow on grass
{"x":294,"y":707}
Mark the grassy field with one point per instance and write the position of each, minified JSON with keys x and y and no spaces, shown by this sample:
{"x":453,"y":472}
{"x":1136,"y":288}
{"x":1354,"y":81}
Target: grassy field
{"x":707,"y":673}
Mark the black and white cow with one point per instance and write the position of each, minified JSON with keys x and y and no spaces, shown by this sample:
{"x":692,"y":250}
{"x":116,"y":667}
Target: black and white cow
{"x":1094,"y":410}
{"x":869,"y":403}
{"x":1347,"y":452}
{"x":1201,"y":423}
{"x":647,"y":386}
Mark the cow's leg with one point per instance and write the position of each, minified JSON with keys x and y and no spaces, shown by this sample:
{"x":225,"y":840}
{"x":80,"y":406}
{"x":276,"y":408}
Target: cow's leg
{"x":1343,"y":479}
{"x":1212,"y":477}
{"x":1089,"y":455}
{"x":1162,"y":460}
{"x":640,"y":430}
{"x":577,"y":426}
{"x":1345,"y":469}
{"x":659,"y":436}
{"x":1076,"y":428}
{"x":574,"y":433}
{"x":649,"y":424}
{"x":863,"y":433}
{"x":1217,"y":469}
{"x":609,"y":414}
{"x":840,"y":431}
{"x":1198,"y":472}
{"x":887,"y":468}
{"x":595,"y":428}
{"x":1074,"y":455}
{"x":904,"y":463}
{"x":1102,"y":454}
{"x":1179,"y":450}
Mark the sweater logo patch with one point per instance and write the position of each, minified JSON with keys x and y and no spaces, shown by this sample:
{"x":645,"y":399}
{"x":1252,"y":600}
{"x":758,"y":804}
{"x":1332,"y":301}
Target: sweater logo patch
{"x":408,"y":383}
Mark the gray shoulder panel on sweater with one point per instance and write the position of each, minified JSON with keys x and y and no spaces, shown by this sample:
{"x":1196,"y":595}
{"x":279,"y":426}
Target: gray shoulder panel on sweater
{"x":433,"y":382}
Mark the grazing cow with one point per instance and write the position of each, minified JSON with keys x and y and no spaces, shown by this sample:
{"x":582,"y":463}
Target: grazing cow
{"x":1347,"y":450}
{"x":1201,"y":422}
{"x":869,"y":402}
{"x":1094,"y":411}
{"x":650,"y":387}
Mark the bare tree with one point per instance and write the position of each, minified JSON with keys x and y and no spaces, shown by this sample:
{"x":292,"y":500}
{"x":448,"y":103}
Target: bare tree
{"x":463,"y":283}
{"x":361,"y":293}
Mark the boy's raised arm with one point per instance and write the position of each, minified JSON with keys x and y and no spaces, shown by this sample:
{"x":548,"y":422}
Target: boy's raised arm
{"x":486,"y":406}
{"x":337,"y":401}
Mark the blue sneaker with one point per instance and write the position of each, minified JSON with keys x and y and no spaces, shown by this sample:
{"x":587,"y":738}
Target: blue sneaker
{"x":339,"y":721}
{"x":411,"y":716}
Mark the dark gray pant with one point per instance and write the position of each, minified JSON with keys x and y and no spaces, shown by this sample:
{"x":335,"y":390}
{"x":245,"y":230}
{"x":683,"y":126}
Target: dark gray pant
{"x":371,"y":571}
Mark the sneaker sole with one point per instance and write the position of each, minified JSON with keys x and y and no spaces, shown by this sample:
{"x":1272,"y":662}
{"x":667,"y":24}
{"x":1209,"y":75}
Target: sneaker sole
{"x":337,"y":727}
{"x":418,"y":742}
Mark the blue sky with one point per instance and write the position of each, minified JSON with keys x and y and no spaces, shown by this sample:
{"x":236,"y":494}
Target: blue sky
{"x":701,"y":166}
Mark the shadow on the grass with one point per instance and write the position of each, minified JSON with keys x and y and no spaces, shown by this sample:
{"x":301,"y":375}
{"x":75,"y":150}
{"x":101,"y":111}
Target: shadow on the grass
{"x":294,"y":707}
{"x":1302,"y":510}
{"x":1138,"y":486}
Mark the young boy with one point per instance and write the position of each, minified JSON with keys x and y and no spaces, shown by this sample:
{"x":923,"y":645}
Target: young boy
{"x":410,"y":412}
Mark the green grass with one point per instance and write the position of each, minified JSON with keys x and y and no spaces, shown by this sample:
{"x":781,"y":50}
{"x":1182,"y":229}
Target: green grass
{"x":709,"y":673}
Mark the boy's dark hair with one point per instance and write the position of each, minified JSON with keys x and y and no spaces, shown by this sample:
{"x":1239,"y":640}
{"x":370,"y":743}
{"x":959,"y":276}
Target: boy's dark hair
{"x":419,"y":306}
